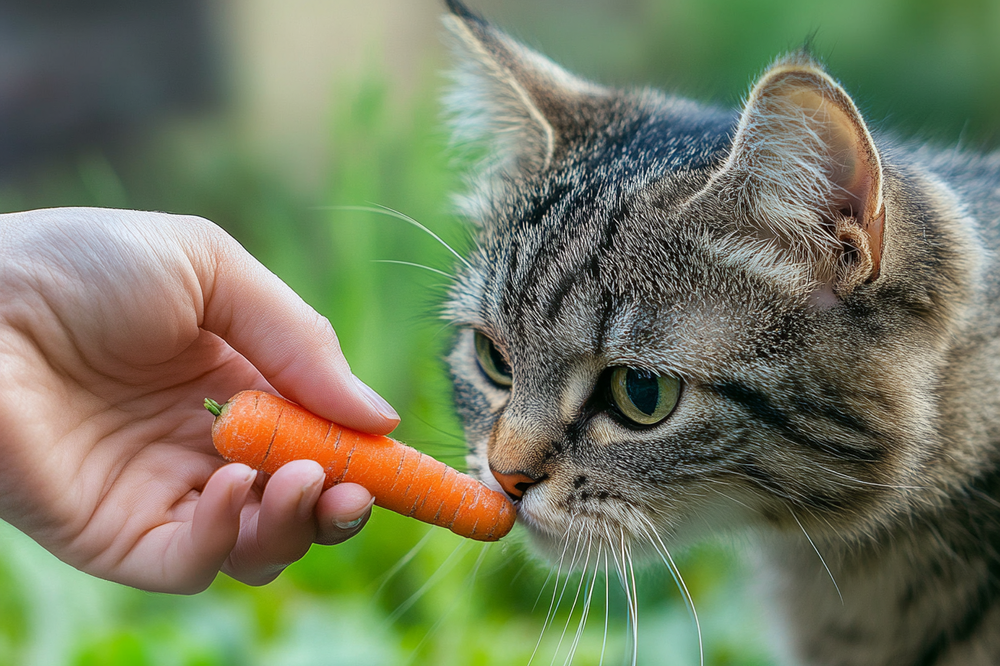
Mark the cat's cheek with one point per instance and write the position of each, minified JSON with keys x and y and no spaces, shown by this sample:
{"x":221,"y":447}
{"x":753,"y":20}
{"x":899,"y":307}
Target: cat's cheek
{"x":547,"y":509}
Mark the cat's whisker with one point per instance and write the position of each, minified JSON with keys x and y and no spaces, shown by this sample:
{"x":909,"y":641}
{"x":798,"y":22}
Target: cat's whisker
{"x":818,"y":554}
{"x":586,"y":608}
{"x":402,"y":562}
{"x":576,"y":598}
{"x":867,"y":483}
{"x":829,"y":523}
{"x":443,"y":570}
{"x":470,"y":581}
{"x":585,"y":612}
{"x":728,"y":497}
{"x":385,"y":210}
{"x":661,"y":548}
{"x":634,"y":601}
{"x":622,"y":564}
{"x":613,"y":551}
{"x":553,"y":604}
{"x":562,"y":593}
{"x":607,"y":605}
{"x":416,"y":265}
{"x":545,"y":584}
{"x":781,"y":494}
{"x":547,"y":620}
{"x":458,"y":441}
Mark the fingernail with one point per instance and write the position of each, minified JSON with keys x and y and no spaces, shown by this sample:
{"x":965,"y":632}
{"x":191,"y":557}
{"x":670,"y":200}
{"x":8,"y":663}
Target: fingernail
{"x":307,"y":501}
{"x":351,"y":524}
{"x":376,"y":401}
{"x":241,"y":490}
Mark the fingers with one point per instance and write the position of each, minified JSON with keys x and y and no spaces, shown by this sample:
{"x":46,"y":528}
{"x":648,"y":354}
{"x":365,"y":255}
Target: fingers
{"x":293,"y":514}
{"x":294,"y":347}
{"x":214,"y":530}
{"x":251,"y":541}
{"x":341,"y":512}
{"x":281,"y":529}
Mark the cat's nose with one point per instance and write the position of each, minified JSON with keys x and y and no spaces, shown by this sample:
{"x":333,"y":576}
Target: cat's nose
{"x":514,"y":483}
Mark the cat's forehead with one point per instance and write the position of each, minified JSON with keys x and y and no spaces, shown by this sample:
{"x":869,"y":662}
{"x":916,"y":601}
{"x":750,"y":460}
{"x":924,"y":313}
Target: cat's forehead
{"x":609,"y":197}
{"x":625,"y":283}
{"x":599,"y":257}
{"x":630,"y":142}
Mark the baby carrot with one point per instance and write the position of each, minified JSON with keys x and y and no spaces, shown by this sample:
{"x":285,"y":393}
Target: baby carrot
{"x":265,"y":432}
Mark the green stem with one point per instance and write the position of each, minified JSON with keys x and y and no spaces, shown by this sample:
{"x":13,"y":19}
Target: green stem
{"x":213,"y":406}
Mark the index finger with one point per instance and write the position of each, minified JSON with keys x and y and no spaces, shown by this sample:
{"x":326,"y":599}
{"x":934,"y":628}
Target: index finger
{"x":293,"y":346}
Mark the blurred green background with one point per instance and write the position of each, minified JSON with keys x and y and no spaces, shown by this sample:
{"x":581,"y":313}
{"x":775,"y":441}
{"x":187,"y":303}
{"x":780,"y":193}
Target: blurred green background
{"x":307,"y":105}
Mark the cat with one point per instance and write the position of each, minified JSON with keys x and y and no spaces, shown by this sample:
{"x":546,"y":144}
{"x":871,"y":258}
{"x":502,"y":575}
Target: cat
{"x":679,"y":318}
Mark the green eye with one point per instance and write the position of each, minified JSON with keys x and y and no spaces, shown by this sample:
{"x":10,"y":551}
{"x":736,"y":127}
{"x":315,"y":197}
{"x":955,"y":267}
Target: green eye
{"x":492,"y":361}
{"x":642,"y":397}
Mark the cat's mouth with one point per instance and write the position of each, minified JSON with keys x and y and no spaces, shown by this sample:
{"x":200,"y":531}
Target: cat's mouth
{"x":572,"y":539}
{"x":534,"y":499}
{"x":557,"y":519}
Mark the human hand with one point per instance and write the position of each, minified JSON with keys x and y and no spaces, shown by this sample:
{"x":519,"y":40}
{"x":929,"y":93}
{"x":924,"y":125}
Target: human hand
{"x":114,"y":326}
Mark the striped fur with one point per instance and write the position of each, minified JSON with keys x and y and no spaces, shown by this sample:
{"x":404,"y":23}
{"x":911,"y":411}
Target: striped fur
{"x":827,"y":296}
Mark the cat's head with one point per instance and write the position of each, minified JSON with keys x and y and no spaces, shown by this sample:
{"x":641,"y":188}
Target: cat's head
{"x":677,"y":316}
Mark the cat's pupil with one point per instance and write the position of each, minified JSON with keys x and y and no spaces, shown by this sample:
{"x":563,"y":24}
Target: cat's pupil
{"x":492,"y":361}
{"x":498,"y":361}
{"x":643,"y":389}
{"x":644,"y":398}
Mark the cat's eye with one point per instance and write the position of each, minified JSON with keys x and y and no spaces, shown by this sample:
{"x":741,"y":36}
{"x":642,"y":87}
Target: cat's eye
{"x":643,"y":397}
{"x":492,"y":361}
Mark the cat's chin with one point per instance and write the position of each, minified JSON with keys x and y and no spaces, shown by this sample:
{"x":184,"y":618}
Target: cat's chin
{"x":568,"y":549}
{"x":575,"y":541}
{"x":572,"y":541}
{"x":594,"y":544}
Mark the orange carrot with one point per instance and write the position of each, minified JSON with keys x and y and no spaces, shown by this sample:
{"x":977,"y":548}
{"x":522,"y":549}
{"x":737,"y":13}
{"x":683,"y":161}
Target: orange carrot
{"x":265,"y":432}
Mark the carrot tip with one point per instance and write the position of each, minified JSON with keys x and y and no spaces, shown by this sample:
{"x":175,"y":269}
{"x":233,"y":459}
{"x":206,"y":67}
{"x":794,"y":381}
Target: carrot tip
{"x":265,"y":431}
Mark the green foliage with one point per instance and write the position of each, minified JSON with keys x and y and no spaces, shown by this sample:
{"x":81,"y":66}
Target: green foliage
{"x":401,"y":592}
{"x":932,"y":68}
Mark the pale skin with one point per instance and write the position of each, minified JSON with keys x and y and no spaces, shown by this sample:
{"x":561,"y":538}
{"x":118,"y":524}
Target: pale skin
{"x":114,"y":326}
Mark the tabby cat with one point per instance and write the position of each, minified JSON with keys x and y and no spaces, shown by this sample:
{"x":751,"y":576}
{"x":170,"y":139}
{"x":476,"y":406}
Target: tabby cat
{"x":679,"y":318}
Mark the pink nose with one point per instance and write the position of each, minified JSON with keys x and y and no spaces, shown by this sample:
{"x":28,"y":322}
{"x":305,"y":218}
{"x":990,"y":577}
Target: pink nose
{"x":515,"y":483}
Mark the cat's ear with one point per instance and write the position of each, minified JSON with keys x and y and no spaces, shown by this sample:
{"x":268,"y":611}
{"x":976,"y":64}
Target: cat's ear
{"x":517,"y":101}
{"x":806,"y":172}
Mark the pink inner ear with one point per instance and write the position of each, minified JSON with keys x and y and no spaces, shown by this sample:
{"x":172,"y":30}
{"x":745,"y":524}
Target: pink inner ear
{"x":851,"y":160}
{"x":857,"y":171}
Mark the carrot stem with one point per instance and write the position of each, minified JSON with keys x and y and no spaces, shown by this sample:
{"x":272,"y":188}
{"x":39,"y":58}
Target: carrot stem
{"x":213,"y":406}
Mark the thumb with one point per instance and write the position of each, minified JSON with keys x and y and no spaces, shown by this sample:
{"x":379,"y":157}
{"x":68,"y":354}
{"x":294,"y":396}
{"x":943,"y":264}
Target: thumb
{"x":291,"y":345}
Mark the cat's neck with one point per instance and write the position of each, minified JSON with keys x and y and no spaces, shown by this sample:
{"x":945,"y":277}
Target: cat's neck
{"x":935,"y":578}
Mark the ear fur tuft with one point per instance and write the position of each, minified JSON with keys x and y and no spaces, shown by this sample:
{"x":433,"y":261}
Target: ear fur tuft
{"x":507,"y":96}
{"x":807,"y":175}
{"x":460,"y":10}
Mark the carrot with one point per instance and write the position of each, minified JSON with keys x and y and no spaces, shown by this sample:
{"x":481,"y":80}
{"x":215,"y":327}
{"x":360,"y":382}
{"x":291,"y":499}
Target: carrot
{"x":265,"y":432}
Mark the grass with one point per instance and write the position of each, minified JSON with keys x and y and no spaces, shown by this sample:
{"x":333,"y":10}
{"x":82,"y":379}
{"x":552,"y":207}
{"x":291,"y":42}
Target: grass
{"x":401,"y":592}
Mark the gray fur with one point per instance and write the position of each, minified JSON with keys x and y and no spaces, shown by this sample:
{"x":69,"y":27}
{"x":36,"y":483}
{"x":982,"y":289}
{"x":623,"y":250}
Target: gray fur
{"x":839,"y":380}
